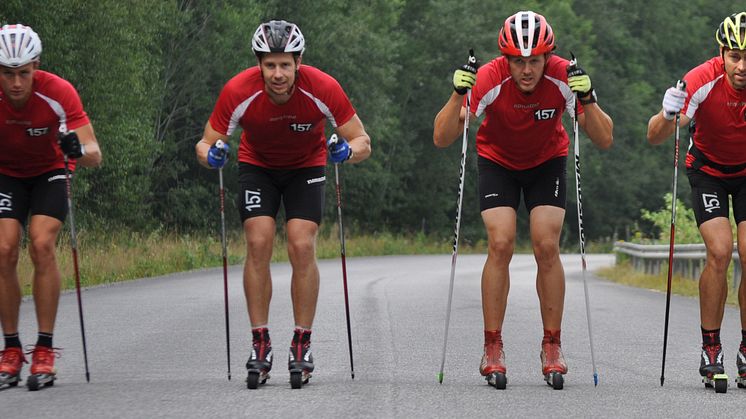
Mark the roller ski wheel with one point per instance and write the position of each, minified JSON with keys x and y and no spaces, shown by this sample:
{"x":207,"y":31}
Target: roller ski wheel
{"x":555,"y":379}
{"x":9,"y":380}
{"x":255,"y":378}
{"x":37,"y":381}
{"x":497,"y":380}
{"x":741,"y":381}
{"x":718,"y":381}
{"x":300,"y":359}
{"x":298,"y":378}
{"x":741,"y":365}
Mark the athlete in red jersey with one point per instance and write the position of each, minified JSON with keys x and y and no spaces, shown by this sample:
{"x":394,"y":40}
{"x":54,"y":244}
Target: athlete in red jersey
{"x":715,"y":97}
{"x":522,"y":147}
{"x":41,"y":117}
{"x":282,"y":107}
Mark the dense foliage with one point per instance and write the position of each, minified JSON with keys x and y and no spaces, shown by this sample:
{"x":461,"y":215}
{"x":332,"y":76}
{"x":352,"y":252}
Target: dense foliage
{"x":149,"y":73}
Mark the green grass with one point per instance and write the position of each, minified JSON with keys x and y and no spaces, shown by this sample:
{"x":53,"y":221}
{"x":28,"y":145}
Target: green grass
{"x":623,"y":273}
{"x":113,"y":256}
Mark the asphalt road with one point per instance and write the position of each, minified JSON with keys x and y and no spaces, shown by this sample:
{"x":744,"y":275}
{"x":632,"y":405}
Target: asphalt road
{"x":157,"y":349}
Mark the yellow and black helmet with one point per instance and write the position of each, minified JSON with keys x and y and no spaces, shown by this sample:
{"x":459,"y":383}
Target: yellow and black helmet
{"x":732,"y":32}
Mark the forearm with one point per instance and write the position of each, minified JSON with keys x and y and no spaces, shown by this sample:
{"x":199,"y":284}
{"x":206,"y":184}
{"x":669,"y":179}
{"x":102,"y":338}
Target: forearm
{"x":360,"y":147}
{"x":659,"y":128}
{"x":598,"y":126}
{"x":201,"y":149}
{"x":92,"y":156}
{"x":448,"y":123}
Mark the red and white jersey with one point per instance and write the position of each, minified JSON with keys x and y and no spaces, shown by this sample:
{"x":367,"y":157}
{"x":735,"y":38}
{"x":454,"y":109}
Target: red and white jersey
{"x":28,"y":136}
{"x":520,"y":130}
{"x":720,"y":114}
{"x":287,"y":136}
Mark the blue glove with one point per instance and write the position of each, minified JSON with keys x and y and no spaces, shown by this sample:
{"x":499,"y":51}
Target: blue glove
{"x":218,"y":155}
{"x":339,"y":149}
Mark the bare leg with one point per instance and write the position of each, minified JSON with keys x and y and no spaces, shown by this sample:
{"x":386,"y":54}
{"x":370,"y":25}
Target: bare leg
{"x":257,"y":280}
{"x":10,"y":289}
{"x":713,"y":285}
{"x":43,"y":232}
{"x":305,"y":282}
{"x":500,"y":223}
{"x":546,"y":226}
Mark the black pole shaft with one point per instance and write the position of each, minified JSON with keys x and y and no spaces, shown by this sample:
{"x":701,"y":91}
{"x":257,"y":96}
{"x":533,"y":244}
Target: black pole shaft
{"x":74,"y":245}
{"x":225,"y":273}
{"x":344,"y":266}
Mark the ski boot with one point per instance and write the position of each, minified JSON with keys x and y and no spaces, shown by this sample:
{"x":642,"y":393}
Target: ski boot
{"x":553,"y":364}
{"x":741,"y":364}
{"x":260,"y":360}
{"x":300,"y":360}
{"x":711,"y":368}
{"x":11,"y":362}
{"x":492,"y":366}
{"x":43,"y":372}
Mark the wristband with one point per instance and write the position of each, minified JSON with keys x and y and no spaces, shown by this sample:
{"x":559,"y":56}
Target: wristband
{"x":82,"y":150}
{"x":591,"y":98}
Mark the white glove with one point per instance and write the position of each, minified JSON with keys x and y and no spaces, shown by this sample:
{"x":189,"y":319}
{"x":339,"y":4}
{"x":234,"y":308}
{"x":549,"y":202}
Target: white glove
{"x":673,"y":102}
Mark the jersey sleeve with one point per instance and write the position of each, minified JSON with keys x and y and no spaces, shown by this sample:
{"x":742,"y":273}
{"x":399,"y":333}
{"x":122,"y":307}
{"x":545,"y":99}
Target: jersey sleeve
{"x":75,"y":116}
{"x":336,"y":100}
{"x":220,"y":119}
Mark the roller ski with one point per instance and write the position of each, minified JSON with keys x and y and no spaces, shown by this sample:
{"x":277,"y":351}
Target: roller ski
{"x":300,"y":360}
{"x":260,"y":360}
{"x":492,"y":366}
{"x":741,"y":364}
{"x":43,"y":373}
{"x":553,"y":364}
{"x":11,"y":363}
{"x":711,"y":368}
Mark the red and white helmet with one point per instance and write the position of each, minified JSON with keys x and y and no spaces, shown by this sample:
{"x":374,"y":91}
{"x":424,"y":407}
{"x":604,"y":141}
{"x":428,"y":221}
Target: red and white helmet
{"x":19,"y":45}
{"x":525,"y":34}
{"x":278,"y":36}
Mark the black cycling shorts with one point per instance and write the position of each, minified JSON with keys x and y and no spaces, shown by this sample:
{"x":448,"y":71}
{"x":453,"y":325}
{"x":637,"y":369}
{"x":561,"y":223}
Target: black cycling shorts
{"x":39,"y":195}
{"x":301,"y":192}
{"x":710,"y":196}
{"x":544,"y":184}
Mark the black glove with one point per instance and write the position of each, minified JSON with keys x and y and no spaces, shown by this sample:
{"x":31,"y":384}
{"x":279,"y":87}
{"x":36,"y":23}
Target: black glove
{"x":70,"y":145}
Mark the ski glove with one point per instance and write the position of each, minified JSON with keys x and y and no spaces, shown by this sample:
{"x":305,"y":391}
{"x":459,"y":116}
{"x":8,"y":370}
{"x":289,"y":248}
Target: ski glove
{"x":218,"y":155}
{"x":339,"y":149}
{"x":70,"y":145}
{"x":580,"y":83}
{"x":465,"y":77}
{"x":673,"y":102}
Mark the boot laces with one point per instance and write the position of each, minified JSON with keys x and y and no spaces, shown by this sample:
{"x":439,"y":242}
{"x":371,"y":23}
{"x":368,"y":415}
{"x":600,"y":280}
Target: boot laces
{"x":42,"y":355}
{"x":712,"y":352}
{"x":12,"y":356}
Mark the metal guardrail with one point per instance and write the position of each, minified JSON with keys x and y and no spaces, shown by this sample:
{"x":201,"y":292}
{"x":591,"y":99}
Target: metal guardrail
{"x":688,"y":259}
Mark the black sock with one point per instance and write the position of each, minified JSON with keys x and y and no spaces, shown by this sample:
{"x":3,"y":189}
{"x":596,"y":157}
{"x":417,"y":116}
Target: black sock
{"x":45,"y":339}
{"x":12,"y":340}
{"x":710,"y":337}
{"x":743,"y":338}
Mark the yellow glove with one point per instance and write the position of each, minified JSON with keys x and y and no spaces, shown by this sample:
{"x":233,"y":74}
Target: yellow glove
{"x":580,"y":83}
{"x":465,"y":76}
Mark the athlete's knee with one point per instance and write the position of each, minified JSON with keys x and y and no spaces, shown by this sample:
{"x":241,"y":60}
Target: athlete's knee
{"x":8,"y":255}
{"x":302,"y":249}
{"x":545,"y":250}
{"x":719,"y":254}
{"x":501,"y":248}
{"x":42,"y":251}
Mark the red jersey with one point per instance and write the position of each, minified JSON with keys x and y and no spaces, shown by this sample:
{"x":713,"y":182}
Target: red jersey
{"x":28,"y":136}
{"x":287,"y":136}
{"x":720,"y":114}
{"x":521,"y":130}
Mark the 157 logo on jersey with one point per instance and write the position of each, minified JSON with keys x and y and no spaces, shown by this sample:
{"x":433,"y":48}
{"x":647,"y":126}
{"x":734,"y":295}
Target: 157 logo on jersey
{"x":37,"y":132}
{"x":544,"y":114}
{"x":301,"y":127}
{"x":6,"y":202}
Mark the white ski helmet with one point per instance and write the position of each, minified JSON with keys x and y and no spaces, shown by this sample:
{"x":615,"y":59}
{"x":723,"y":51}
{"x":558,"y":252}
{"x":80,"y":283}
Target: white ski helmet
{"x":278,"y":36}
{"x":19,"y":45}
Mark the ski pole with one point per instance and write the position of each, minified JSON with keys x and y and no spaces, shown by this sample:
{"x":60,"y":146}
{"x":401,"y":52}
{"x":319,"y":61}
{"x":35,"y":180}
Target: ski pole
{"x":472,"y":60}
{"x":74,"y":245}
{"x":225,"y":272}
{"x":681,"y":85}
{"x":344,"y":261}
{"x":581,"y":234}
